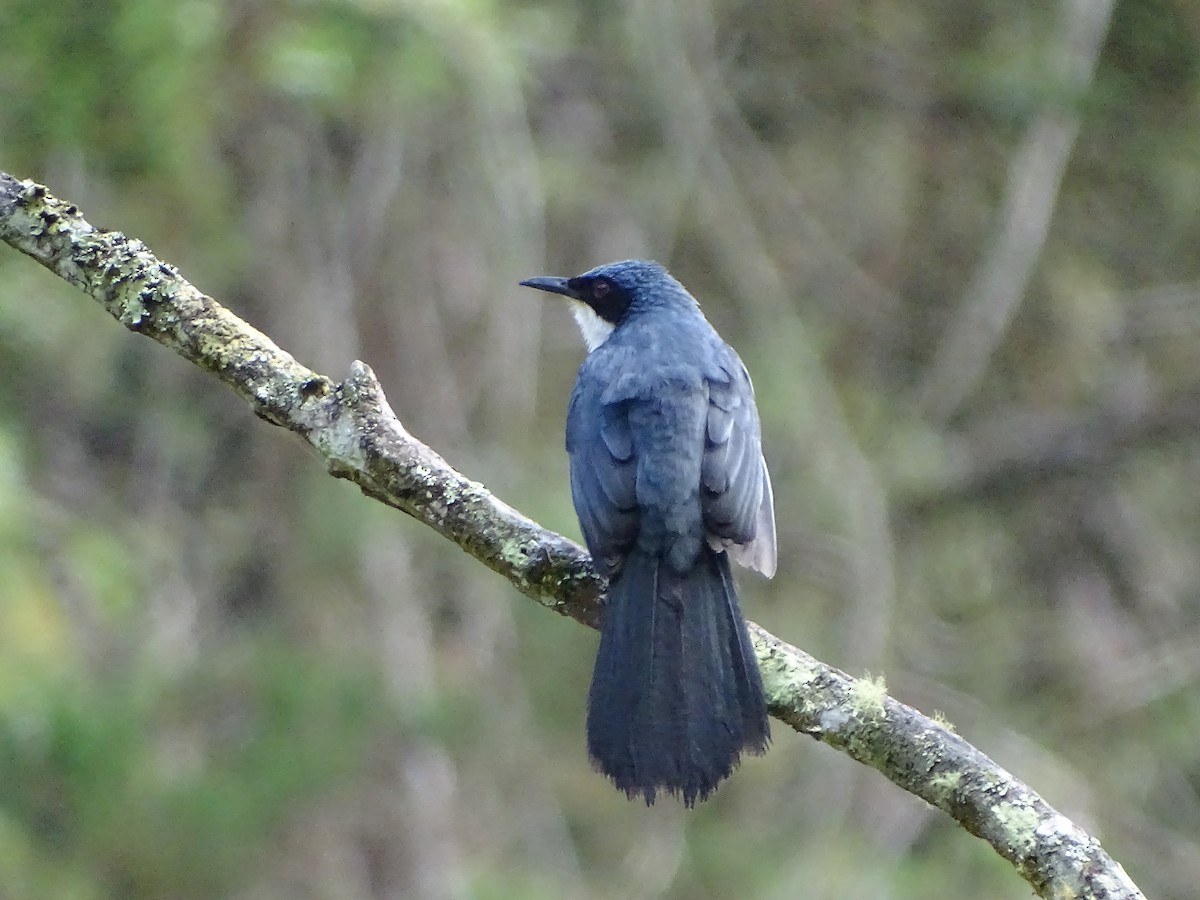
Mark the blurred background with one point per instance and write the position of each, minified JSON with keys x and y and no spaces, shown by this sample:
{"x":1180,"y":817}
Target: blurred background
{"x":955,"y":244}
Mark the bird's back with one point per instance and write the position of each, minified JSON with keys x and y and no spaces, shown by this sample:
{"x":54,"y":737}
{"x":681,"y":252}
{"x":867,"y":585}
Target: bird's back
{"x":669,"y":483}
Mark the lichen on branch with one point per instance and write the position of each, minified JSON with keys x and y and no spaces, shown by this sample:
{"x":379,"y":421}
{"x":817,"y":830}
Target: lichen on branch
{"x":350,"y":424}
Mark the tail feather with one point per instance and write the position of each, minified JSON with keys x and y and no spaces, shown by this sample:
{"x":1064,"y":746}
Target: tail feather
{"x":746,"y":672}
{"x":676,"y":694}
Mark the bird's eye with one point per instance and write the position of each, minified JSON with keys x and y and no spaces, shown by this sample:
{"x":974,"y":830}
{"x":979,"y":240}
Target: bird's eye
{"x":600,"y":289}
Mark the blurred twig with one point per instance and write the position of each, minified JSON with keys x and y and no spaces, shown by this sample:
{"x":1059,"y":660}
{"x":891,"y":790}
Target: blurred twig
{"x":739,"y":246}
{"x":1013,"y":454}
{"x":1034,"y":177}
{"x":351,"y":425}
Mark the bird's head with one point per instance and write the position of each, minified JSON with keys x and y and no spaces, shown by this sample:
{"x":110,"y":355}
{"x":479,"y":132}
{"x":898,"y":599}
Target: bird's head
{"x":606,"y":295}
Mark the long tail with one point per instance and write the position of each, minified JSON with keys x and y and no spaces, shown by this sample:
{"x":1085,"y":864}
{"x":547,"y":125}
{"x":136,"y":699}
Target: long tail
{"x":676,"y":694}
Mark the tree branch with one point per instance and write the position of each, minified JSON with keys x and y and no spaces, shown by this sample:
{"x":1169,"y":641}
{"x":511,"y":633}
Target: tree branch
{"x":351,"y":425}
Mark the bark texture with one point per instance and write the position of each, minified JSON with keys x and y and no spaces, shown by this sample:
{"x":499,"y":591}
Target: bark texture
{"x":350,"y":424}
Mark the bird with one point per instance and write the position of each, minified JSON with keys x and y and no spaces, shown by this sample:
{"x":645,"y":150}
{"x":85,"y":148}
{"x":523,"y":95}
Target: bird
{"x":669,"y":484}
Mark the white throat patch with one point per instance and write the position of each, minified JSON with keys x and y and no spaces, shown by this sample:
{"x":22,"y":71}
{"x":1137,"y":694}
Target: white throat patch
{"x":594,"y":329}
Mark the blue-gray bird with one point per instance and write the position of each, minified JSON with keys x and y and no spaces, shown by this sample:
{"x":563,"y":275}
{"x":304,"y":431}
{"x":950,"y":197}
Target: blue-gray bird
{"x":669,"y":483}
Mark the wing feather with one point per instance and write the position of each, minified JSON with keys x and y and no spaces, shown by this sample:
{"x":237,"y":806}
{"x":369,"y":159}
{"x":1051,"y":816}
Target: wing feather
{"x":734,"y":487}
{"x":603,"y":476}
{"x":737,"y":503}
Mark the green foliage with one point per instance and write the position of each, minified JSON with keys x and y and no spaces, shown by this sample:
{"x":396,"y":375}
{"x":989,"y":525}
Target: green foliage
{"x":146,"y":786}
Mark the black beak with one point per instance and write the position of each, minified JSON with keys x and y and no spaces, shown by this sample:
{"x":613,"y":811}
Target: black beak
{"x":551,"y":285}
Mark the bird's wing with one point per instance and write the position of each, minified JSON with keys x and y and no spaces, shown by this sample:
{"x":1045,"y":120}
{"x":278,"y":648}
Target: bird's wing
{"x":735,"y":490}
{"x":603,"y":474}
